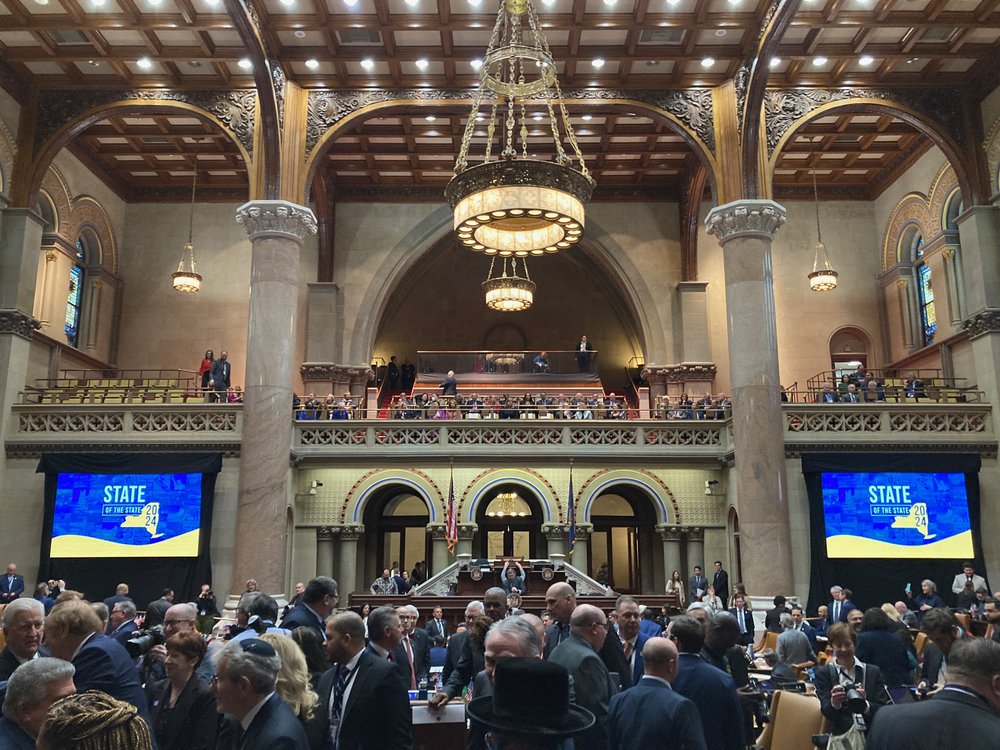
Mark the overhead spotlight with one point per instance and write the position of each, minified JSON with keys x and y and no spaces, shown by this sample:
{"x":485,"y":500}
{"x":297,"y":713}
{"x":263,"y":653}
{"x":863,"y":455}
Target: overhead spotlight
{"x":413,"y":3}
{"x":245,"y":63}
{"x":673,"y":3}
{"x":775,"y":62}
{"x":819,"y":61}
{"x":537,"y":117}
{"x":476,"y":64}
{"x":610,"y":3}
{"x":421,"y":63}
{"x":597,"y":63}
{"x":144,"y":62}
{"x":93,"y":63}
{"x":708,"y":62}
{"x":550,"y":3}
{"x":367,"y":63}
{"x":588,"y":118}
{"x":288,"y":3}
{"x":97,"y":3}
{"x":866,"y":60}
{"x":430,"y":118}
{"x":42,"y":2}
{"x":475,"y":3}
{"x":299,"y":34}
{"x":350,"y":3}
{"x":312,"y":64}
{"x":212,"y":2}
{"x":912,"y":60}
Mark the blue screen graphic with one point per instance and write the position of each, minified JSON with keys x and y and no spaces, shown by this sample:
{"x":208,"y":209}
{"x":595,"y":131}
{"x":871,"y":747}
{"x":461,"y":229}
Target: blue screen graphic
{"x":896,"y":515}
{"x":126,"y":515}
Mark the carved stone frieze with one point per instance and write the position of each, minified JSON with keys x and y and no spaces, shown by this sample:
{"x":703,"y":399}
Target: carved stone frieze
{"x":742,"y":79}
{"x":235,"y":109}
{"x":747,"y":218}
{"x":784,"y":107}
{"x":982,"y":323}
{"x":276,"y":218}
{"x":18,"y":323}
{"x":327,"y":371}
{"x":683,"y":373}
{"x":325,"y":109}
{"x":278,"y":80}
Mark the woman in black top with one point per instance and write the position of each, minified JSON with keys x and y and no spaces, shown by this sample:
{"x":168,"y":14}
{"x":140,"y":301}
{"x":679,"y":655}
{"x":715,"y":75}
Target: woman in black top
{"x":182,"y":707}
{"x":207,"y":610}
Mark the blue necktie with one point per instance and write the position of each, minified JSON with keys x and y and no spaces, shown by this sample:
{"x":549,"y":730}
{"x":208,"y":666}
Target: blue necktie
{"x":338,"y":692}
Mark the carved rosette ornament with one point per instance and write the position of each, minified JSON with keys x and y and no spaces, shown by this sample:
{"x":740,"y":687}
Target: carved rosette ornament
{"x":18,"y":323}
{"x":746,"y":218}
{"x":265,"y":219}
{"x":982,"y":323}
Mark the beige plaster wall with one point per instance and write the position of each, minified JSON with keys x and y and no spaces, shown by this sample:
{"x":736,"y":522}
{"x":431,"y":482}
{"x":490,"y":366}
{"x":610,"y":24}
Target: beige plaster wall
{"x":990,"y":108}
{"x":10,"y":112}
{"x":917,"y":178}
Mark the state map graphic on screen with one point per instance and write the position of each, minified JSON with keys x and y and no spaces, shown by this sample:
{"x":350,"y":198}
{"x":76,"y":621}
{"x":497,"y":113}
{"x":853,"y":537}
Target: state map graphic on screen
{"x":126,"y":515}
{"x":896,"y":515}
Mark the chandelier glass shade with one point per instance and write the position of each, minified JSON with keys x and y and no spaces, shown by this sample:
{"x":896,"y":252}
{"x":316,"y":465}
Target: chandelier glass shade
{"x":823,"y":278}
{"x":509,"y":292}
{"x":511,"y":203}
{"x":186,"y":278}
{"x":507,"y":504}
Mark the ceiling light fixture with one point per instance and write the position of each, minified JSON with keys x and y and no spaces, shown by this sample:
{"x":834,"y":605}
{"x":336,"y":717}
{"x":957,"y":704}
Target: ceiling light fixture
{"x":775,"y":62}
{"x":144,"y":62}
{"x":819,"y":61}
{"x":367,"y":63}
{"x":509,"y":293}
{"x":312,"y":64}
{"x":97,"y":3}
{"x":512,"y":204}
{"x":476,"y":64}
{"x":866,"y":60}
{"x":300,"y":34}
{"x":245,"y":64}
{"x":422,"y":63}
{"x":708,"y":62}
{"x":186,"y":278}
{"x":413,"y":3}
{"x":597,"y":63}
{"x":288,"y":3}
{"x":588,"y":118}
{"x":430,"y":118}
{"x":822,"y":279}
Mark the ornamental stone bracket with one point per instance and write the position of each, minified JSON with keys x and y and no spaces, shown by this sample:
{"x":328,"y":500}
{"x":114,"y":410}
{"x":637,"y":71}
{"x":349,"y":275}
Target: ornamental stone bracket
{"x":276,"y":219}
{"x":329,"y":372}
{"x":745,"y":218}
{"x":348,"y":533}
{"x":18,"y":323}
{"x":983,"y":322}
{"x":670,"y":533}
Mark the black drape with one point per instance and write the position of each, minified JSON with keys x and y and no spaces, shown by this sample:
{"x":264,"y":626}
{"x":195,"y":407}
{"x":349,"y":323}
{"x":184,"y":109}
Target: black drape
{"x":874,"y":581}
{"x":146,"y":577}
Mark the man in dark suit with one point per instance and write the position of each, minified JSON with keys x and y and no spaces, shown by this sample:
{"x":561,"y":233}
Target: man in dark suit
{"x":711,"y":690}
{"x":436,"y":624}
{"x":121,"y":594}
{"x":11,"y":585}
{"x":584,"y":353}
{"x":591,"y":679}
{"x":23,"y":628}
{"x":838,"y":608}
{"x":772,"y":619}
{"x":801,"y":624}
{"x":697,"y":583}
{"x":220,"y":374}
{"x":363,"y":697}
{"x":720,"y":582}
{"x":72,"y":632}
{"x":157,"y":608}
{"x":413,"y":654}
{"x":29,"y":694}
{"x":319,"y":600}
{"x":633,"y":641}
{"x":744,"y":619}
{"x":965,"y":713}
{"x":256,"y":716}
{"x":651,"y":714}
{"x":122,"y":621}
{"x":449,"y":386}
{"x":456,"y":643}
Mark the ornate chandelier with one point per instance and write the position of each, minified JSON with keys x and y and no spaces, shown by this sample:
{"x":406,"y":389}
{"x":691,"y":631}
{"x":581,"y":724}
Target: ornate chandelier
{"x":186,"y":277}
{"x":515,"y":204}
{"x":509,"y":293}
{"x":506,"y":502}
{"x":823,"y":278}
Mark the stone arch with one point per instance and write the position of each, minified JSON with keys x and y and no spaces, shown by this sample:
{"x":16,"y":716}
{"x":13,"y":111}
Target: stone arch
{"x":992,"y":148}
{"x":530,"y":480}
{"x":427,"y":236}
{"x":863,"y":105}
{"x":7,"y":151}
{"x":944,"y":189}
{"x":86,"y":212}
{"x":416,"y":481}
{"x":47,"y":150}
{"x":912,"y":209}
{"x":844,"y":335}
{"x":57,"y":192}
{"x":659,"y":495}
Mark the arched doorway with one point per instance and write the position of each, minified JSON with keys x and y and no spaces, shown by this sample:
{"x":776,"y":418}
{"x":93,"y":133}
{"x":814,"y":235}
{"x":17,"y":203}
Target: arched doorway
{"x":396,"y":526}
{"x":624,"y":523}
{"x":510,"y":522}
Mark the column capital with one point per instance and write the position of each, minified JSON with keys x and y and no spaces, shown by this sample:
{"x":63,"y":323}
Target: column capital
{"x":554,"y":532}
{"x":19,"y":323}
{"x":745,"y":218}
{"x":437,"y":530}
{"x":351,"y":533}
{"x":695,"y":534}
{"x":669,"y":533}
{"x":263,"y":219}
{"x":583,"y":531}
{"x":466,"y":531}
{"x":324,"y":534}
{"x":982,"y":323}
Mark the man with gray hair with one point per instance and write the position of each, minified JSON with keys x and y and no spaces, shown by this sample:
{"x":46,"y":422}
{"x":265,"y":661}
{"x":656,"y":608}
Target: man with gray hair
{"x":793,"y":645}
{"x":31,"y":690}
{"x":256,"y":613}
{"x":593,"y":683}
{"x":123,"y":620}
{"x":244,"y":686}
{"x":23,"y":628}
{"x":413,"y":653}
{"x":319,"y":599}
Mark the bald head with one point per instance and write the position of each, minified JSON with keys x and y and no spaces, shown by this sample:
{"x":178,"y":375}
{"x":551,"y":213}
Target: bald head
{"x":560,"y":600}
{"x":590,"y":624}
{"x":659,"y":656}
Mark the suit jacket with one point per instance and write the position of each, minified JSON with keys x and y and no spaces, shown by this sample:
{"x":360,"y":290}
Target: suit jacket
{"x":845,"y":606}
{"x":952,"y":718}
{"x":274,"y":727}
{"x":11,"y":589}
{"x":695,"y":583}
{"x":611,"y":652}
{"x":156,"y":610}
{"x":713,"y":692}
{"x":104,"y":664}
{"x":193,"y":722}
{"x":745,"y":638}
{"x":377,"y":714}
{"x":470,"y":663}
{"x":772,"y":619}
{"x":978,"y":582}
{"x":302,"y":617}
{"x":841,"y":718}
{"x":651,"y":714}
{"x":420,"y":642}
{"x":221,"y":372}
{"x":594,"y":688}
{"x":12,"y":737}
{"x":8,"y":663}
{"x":436,"y":627}
{"x":793,"y":648}
{"x":454,"y":654}
{"x":720,"y":582}
{"x":124,"y":631}
{"x":810,"y":632}
{"x":638,"y":667}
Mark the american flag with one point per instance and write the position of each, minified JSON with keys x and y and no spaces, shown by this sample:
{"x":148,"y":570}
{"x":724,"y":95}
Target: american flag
{"x":572,"y":516}
{"x":451,"y":523}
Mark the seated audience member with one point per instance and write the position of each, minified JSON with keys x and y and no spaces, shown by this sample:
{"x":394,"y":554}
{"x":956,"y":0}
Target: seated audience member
{"x":965,"y":598}
{"x":966,"y":714}
{"x":72,"y":633}
{"x":93,"y":721}
{"x":438,"y":651}
{"x":712,"y":600}
{"x":293,"y":685}
{"x":878,"y":645}
{"x":827,"y":395}
{"x":851,"y":396}
{"x":23,"y":627}
{"x":314,"y":652}
{"x":833,"y":679}
{"x":913,"y":386}
{"x":873,"y":391}
{"x":782,"y":672}
{"x":843,"y":385}
{"x":182,"y":706}
{"x":30,"y":692}
{"x":907,"y":616}
{"x":926,"y":600}
{"x":245,"y":686}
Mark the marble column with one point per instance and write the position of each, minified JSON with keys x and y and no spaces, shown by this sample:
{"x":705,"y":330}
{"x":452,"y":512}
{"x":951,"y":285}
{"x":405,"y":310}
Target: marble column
{"x":953,"y":278}
{"x":671,"y":536}
{"x":276,"y":230}
{"x":324,"y":551}
{"x":555,"y":539}
{"x":440,"y":557}
{"x":696,"y":550}
{"x":465,"y":533}
{"x":92,"y":314}
{"x":745,"y":229}
{"x":581,"y":549}
{"x":347,"y":573}
{"x":656,"y":376}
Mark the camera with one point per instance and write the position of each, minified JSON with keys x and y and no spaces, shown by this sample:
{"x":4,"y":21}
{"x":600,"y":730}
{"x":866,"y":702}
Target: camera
{"x":143,"y":641}
{"x":854,"y":702}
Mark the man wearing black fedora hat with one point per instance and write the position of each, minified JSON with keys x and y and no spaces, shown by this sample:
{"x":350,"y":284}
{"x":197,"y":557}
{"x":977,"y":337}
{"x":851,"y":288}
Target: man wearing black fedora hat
{"x":530,"y":707}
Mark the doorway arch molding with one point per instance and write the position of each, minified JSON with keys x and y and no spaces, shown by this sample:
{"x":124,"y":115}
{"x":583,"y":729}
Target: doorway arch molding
{"x":368,"y":486}
{"x":483,"y":485}
{"x":663,"y":501}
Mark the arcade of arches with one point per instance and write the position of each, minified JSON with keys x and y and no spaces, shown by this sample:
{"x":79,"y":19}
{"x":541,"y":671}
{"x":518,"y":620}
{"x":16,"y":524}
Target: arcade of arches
{"x":692,"y":270}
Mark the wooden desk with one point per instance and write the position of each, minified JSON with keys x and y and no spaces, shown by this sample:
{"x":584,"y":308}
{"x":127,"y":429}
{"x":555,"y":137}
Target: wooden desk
{"x":437,"y":729}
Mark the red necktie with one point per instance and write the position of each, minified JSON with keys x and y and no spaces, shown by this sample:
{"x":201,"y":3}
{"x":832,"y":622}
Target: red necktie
{"x":409,"y":656}
{"x":628,"y":651}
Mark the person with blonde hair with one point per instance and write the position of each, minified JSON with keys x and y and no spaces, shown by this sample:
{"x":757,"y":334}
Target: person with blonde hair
{"x":294,"y":685}
{"x":93,"y":721}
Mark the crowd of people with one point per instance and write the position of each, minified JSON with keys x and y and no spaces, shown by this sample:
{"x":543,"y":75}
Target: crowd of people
{"x":862,"y":386}
{"x":331,"y":407}
{"x":88,"y":675}
{"x":709,"y":406}
{"x":504,"y":406}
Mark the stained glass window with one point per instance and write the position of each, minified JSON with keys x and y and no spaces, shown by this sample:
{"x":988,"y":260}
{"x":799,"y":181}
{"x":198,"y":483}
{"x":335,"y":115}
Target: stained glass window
{"x":925,"y":291}
{"x":74,"y":297}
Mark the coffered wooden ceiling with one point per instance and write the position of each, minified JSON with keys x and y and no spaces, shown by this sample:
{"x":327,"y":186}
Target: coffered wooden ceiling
{"x":621,"y":44}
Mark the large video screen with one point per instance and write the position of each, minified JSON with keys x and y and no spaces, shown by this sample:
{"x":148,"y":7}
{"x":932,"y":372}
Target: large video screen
{"x":126,"y":515}
{"x":896,"y":515}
